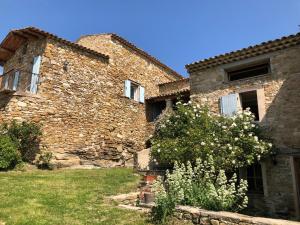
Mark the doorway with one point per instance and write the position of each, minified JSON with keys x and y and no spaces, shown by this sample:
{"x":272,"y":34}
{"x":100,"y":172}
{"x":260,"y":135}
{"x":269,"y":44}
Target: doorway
{"x":296,"y":176}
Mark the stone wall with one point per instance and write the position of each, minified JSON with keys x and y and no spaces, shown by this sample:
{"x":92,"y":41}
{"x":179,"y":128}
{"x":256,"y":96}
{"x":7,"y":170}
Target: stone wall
{"x":205,"y":217}
{"x":85,"y":118}
{"x":128,"y":64}
{"x":280,"y":99}
{"x":281,"y":93}
{"x":174,"y":86}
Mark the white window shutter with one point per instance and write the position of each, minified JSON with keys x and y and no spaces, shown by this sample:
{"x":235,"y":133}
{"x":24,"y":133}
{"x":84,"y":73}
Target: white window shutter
{"x":16,"y":80}
{"x":229,"y":104}
{"x":142,"y":94}
{"x":35,"y":74}
{"x":6,"y":82}
{"x":127,"y":88}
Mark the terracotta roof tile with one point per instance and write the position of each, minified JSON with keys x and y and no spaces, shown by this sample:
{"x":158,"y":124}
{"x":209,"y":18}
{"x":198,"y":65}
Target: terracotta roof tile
{"x":255,"y":50}
{"x":38,"y":33}
{"x":146,"y":55}
{"x":140,"y":52}
{"x":177,"y":92}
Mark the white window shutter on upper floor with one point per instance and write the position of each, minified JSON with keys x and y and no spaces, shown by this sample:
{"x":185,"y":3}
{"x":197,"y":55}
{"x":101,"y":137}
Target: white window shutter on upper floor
{"x":35,"y":73}
{"x":16,"y":80}
{"x":229,"y":104}
{"x":142,"y":94}
{"x":127,"y":88}
{"x":6,"y":82}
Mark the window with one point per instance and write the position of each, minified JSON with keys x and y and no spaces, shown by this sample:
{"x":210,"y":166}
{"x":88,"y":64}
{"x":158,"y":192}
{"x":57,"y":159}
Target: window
{"x":254,"y":179}
{"x":254,"y":99}
{"x":154,"y":109}
{"x":249,"y":71}
{"x":134,"y":91}
{"x":1,"y":70}
{"x":249,"y":100}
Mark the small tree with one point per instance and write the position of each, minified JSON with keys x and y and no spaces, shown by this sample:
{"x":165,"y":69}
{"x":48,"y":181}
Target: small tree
{"x":9,"y":155}
{"x":26,"y":136}
{"x":192,"y":132}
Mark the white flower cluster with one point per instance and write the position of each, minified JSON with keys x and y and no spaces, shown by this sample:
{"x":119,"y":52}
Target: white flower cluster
{"x":194,"y":130}
{"x":213,"y":188}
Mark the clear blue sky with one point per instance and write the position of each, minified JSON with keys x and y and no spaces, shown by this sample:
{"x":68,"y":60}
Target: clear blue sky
{"x":177,"y":32}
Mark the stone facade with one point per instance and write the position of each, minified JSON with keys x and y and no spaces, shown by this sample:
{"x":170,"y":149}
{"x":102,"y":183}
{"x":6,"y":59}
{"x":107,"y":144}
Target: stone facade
{"x":279,"y":109}
{"x":80,"y":103}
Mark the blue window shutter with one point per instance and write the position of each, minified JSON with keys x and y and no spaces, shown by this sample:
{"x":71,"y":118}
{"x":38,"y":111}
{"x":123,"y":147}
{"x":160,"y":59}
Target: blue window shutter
{"x":142,"y":94}
{"x":35,"y":74}
{"x":229,"y":104}
{"x":16,"y":80}
{"x":127,"y":88}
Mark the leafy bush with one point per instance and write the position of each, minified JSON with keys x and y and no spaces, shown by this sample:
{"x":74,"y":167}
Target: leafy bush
{"x":192,"y":132}
{"x":9,"y":155}
{"x":26,"y":136}
{"x":200,"y":186}
{"x":44,"y":160}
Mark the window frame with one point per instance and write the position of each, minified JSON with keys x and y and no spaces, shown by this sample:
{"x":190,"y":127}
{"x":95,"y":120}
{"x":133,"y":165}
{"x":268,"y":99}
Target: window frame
{"x":134,"y":91}
{"x":137,"y":96}
{"x":255,"y":178}
{"x":242,"y":66}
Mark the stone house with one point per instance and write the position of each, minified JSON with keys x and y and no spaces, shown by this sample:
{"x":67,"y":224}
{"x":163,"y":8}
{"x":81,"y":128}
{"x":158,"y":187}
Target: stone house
{"x":265,"y":78}
{"x":98,"y":99}
{"x":88,"y":96}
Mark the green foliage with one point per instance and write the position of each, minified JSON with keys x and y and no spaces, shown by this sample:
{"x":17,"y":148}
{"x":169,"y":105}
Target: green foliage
{"x":192,"y":132}
{"x":67,"y":197}
{"x":200,"y":186}
{"x":44,"y":160}
{"x":9,"y":155}
{"x":163,"y":209}
{"x":26,"y":136}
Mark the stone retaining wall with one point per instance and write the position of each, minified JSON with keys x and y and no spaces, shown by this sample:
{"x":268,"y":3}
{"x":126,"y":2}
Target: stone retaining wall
{"x":205,"y":217}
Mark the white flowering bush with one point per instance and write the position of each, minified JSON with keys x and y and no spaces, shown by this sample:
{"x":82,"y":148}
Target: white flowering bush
{"x":192,"y":132}
{"x":200,"y":186}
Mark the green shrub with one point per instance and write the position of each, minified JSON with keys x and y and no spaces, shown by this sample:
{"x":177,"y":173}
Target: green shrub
{"x":44,"y":160}
{"x":192,"y":132}
{"x":26,"y":136}
{"x":9,"y":155}
{"x":200,"y":186}
{"x":163,"y":209}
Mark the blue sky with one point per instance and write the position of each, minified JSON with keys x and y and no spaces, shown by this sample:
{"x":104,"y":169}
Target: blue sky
{"x":177,"y":32}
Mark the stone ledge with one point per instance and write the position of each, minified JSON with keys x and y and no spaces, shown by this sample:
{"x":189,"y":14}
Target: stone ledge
{"x":201,"y":216}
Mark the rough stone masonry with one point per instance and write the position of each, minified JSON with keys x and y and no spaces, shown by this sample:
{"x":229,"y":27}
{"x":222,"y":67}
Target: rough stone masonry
{"x":80,"y":102}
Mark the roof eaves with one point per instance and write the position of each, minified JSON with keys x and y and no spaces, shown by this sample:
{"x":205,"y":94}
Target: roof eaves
{"x":69,"y":43}
{"x":178,"y":92}
{"x":146,"y":55}
{"x":255,"y":50}
{"x":175,"y":81}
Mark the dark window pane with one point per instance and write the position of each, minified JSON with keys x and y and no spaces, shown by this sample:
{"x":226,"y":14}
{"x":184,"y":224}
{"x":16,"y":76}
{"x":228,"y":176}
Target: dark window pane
{"x":250,"y":71}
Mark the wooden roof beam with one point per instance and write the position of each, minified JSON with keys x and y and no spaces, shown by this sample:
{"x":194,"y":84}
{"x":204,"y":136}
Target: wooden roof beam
{"x":34,"y":34}
{"x":21,"y":35}
{"x":6,"y":51}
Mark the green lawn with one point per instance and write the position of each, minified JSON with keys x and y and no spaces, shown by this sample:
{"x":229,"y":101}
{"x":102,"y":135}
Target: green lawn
{"x":66,"y":197}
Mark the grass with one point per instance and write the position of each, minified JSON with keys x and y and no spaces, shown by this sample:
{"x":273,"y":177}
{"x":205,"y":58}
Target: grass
{"x":68,"y":197}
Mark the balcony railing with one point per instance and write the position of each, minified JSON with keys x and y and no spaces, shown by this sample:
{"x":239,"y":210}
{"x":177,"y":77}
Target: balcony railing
{"x":15,"y":80}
